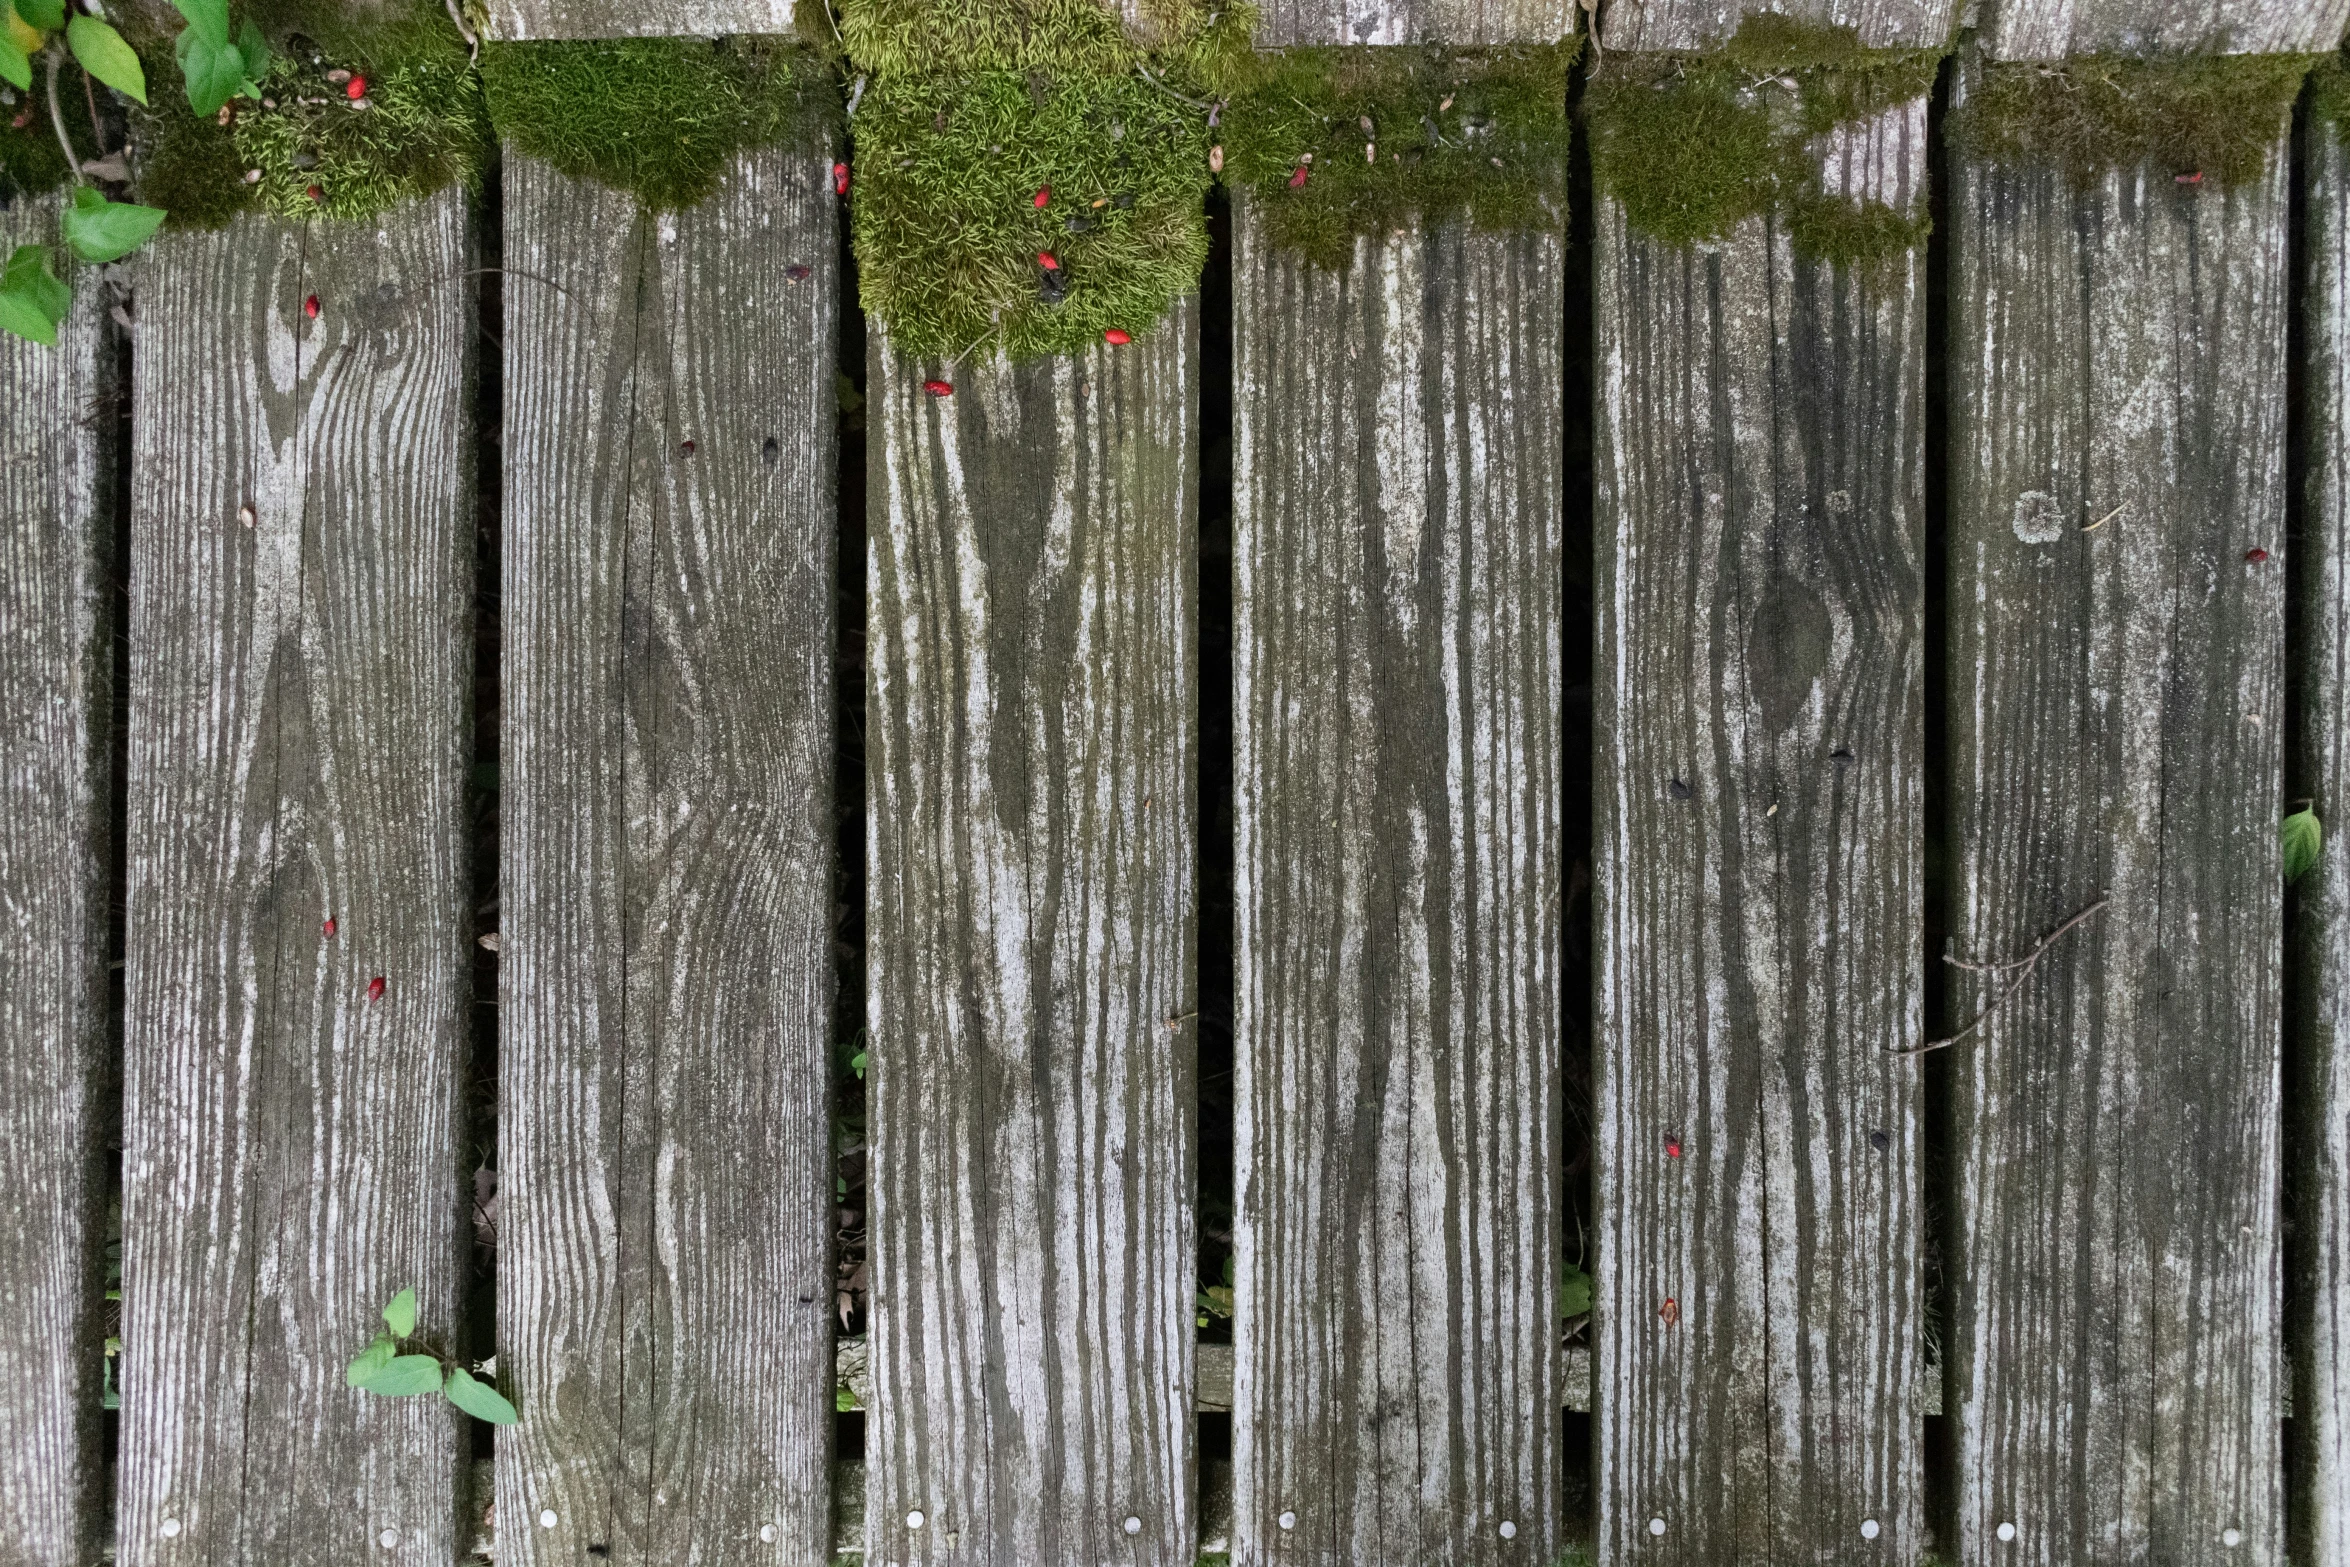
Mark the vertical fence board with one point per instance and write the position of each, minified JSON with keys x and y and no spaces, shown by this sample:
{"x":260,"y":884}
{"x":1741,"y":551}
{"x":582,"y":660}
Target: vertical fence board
{"x":665,"y":964}
{"x":2319,"y":995}
{"x":1701,"y":24}
{"x":521,"y":19}
{"x":299,"y":722}
{"x":1397,"y":675}
{"x":2115,"y":722}
{"x":56,"y":405}
{"x":2053,"y":29}
{"x":1758,"y":719}
{"x":1031,"y":854}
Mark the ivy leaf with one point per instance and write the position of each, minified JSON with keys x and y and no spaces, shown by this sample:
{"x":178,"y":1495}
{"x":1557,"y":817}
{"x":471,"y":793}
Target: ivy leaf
{"x":104,"y":55}
{"x":214,"y":71}
{"x":47,"y":15}
{"x":32,"y":300}
{"x":2304,"y":840}
{"x":478,"y":1399}
{"x":15,"y":65}
{"x":96,"y":229}
{"x":207,"y":19}
{"x":400,"y":1315}
{"x":1574,"y":1291}
{"x":370,"y":1363}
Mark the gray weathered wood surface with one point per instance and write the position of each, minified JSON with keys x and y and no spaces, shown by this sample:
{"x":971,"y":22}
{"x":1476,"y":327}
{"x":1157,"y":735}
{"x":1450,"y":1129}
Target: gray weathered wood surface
{"x":1758,"y":727}
{"x":1397,"y":680}
{"x":2115,"y":698}
{"x":1284,"y":23}
{"x":518,"y":19}
{"x":56,"y":673}
{"x":2052,"y":29}
{"x":666,"y":977}
{"x":1031,"y":859}
{"x":1701,"y":24}
{"x":2319,"y":1022}
{"x":300,"y":719}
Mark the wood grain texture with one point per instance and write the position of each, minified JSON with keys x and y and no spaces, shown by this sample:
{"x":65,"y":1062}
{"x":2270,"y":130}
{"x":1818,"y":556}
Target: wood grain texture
{"x":1700,"y":24}
{"x":665,"y":968}
{"x":2115,"y":698}
{"x":56,"y":673}
{"x":2318,"y":1021}
{"x":518,"y":19}
{"x":1283,"y":24}
{"x":300,"y":718}
{"x":2052,"y":29}
{"x":1031,"y":854}
{"x":1758,"y":724}
{"x":1397,"y":687}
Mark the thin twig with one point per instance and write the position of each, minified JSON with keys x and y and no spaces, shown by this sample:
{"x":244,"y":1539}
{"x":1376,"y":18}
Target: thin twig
{"x":2102,"y":521}
{"x":465,"y":28}
{"x":97,"y":131}
{"x":1197,"y":103}
{"x":57,"y":114}
{"x":2022,"y":969}
{"x":856,"y":93}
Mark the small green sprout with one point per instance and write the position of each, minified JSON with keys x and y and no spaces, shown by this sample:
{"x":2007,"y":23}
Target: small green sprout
{"x":2304,"y":840}
{"x":392,"y":1368}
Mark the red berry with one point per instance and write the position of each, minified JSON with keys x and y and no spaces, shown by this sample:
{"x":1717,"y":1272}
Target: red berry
{"x":840,"y":179}
{"x":310,"y":307}
{"x":1298,"y":179}
{"x":938,"y":388}
{"x":327,"y":929}
{"x":355,"y":88}
{"x":1046,"y":260}
{"x":1672,"y":1147}
{"x":1113,"y":335}
{"x":1044,"y":195}
{"x":2195,"y":178}
{"x":1671,"y":1311}
{"x":2256,"y":555}
{"x":315,"y":194}
{"x":375,"y":988}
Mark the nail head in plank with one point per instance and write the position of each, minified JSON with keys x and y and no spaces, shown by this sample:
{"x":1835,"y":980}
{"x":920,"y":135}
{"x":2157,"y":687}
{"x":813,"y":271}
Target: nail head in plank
{"x":525,"y":19}
{"x":2115,"y":717}
{"x":1031,"y":829}
{"x":1758,"y":720}
{"x":2320,"y":1022}
{"x":1705,"y":24}
{"x":57,"y":411}
{"x":2053,"y":29}
{"x":300,"y":722}
{"x":664,"y":1261}
{"x":1398,"y":677}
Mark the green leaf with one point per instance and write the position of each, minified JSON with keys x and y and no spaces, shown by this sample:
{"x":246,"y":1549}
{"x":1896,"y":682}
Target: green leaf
{"x":207,"y":20}
{"x":2304,"y":840}
{"x":843,"y":1399}
{"x":104,"y":55}
{"x":32,"y":300}
{"x":96,"y":229}
{"x":214,"y":71}
{"x":857,"y":1062}
{"x":406,"y":1376}
{"x":14,"y":65}
{"x":47,"y":15}
{"x":1574,"y":1291}
{"x":478,"y":1399}
{"x":370,"y":1363}
{"x":400,"y":1315}
{"x":253,"y":49}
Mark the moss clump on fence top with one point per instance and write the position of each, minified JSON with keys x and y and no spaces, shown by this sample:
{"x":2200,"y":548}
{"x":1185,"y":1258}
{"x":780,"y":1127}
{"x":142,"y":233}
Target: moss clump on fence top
{"x":1691,"y":145}
{"x":1056,"y":38}
{"x":658,"y":117}
{"x":2218,"y":116}
{"x":1338,"y":143}
{"x":361,"y":107}
{"x":2329,"y":95}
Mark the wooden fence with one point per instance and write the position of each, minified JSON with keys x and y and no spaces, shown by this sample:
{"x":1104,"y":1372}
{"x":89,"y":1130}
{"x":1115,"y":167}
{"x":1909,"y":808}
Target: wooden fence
{"x":2038,"y":552}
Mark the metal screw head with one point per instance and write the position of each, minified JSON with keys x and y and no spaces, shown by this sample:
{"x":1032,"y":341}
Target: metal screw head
{"x":1509,"y":1530}
{"x":914,"y":1519}
{"x":2006,"y":1532}
{"x":766,"y":1534}
{"x":1134,"y":1526}
{"x":547,"y":1519}
{"x":169,"y":1528}
{"x":1868,"y":1529}
{"x":1656,"y":1526}
{"x":2231,"y":1538}
{"x":388,"y":1539}
{"x":1287,"y":1520}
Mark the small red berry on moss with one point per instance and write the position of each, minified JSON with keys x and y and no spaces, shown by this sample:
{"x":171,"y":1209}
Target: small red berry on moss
{"x":840,"y":179}
{"x":355,"y":88}
{"x":938,"y":388}
{"x":1044,"y":195}
{"x":315,"y":193}
{"x":1113,"y":335}
{"x":1297,"y":180}
{"x":1047,"y":260}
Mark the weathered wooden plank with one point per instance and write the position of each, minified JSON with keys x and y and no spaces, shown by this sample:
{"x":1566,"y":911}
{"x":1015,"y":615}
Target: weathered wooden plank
{"x":1758,"y":720}
{"x":299,"y":725}
{"x":1282,"y":24}
{"x":2052,"y":29}
{"x":2117,"y":519}
{"x":1701,"y":24}
{"x":665,"y":960}
{"x":1397,"y":672}
{"x":519,"y":19}
{"x":55,"y":676}
{"x":2319,"y":1021}
{"x":1031,"y":855}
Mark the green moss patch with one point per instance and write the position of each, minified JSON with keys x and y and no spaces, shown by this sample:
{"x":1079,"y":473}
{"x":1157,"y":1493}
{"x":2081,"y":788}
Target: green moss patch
{"x":2329,"y":95}
{"x":950,"y":238}
{"x":659,"y":117}
{"x":2214,"y":115}
{"x":1692,"y":145}
{"x":415,"y":126}
{"x":30,"y":160}
{"x":1337,"y":143}
{"x":1053,"y":37}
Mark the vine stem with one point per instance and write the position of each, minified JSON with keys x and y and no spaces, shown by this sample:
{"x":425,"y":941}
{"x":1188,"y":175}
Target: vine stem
{"x":57,"y":114}
{"x":2021,"y":968}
